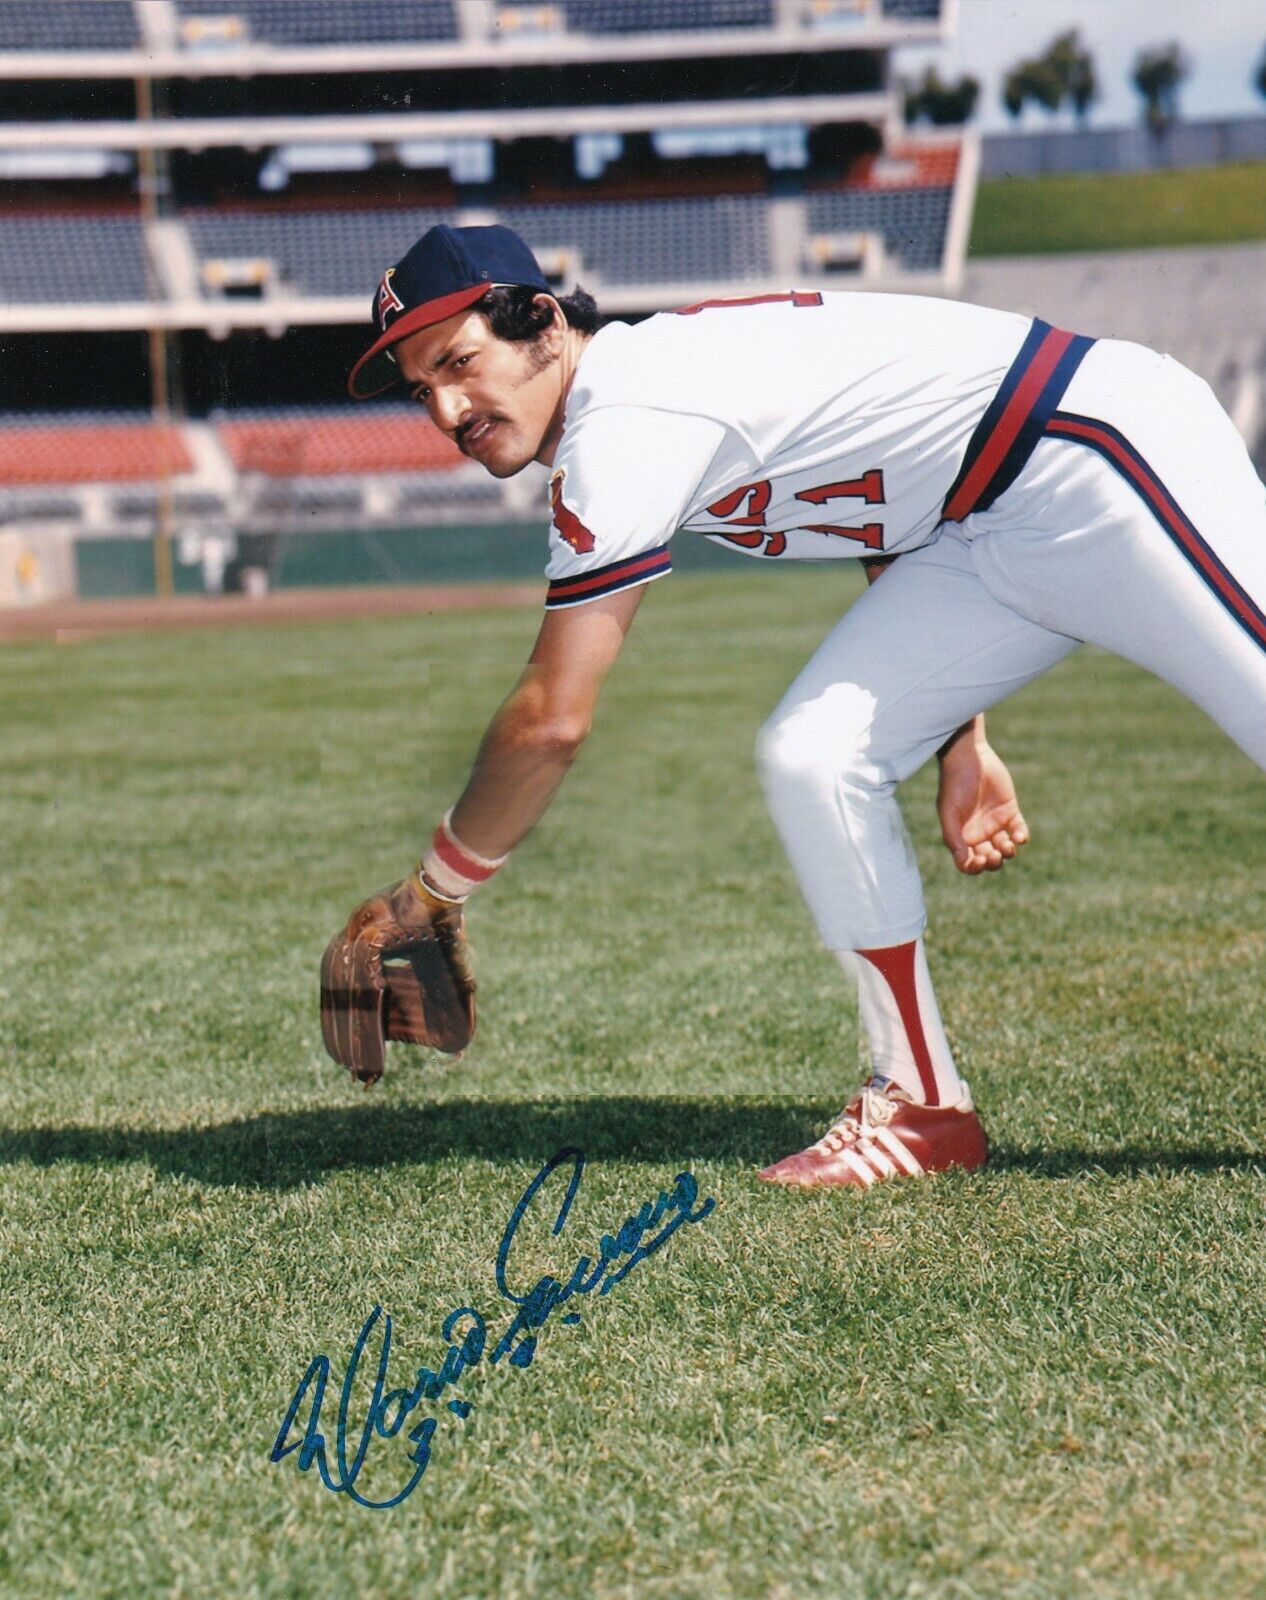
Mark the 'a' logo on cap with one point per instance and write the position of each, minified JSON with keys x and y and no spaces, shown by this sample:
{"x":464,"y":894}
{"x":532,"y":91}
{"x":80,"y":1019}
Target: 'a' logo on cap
{"x":389,"y":302}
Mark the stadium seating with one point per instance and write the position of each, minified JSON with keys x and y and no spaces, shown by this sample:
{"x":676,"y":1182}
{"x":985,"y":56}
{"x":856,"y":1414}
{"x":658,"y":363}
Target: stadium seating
{"x":904,"y":196}
{"x":61,"y":258}
{"x":31,"y":504}
{"x":96,"y":449}
{"x":912,"y":222}
{"x":319,"y":22}
{"x":908,"y":165}
{"x":50,"y":25}
{"x":320,"y":466}
{"x":721,"y":238}
{"x":460,"y":492}
{"x":282,"y":498}
{"x":661,"y":16}
{"x":317,"y":252}
{"x":335,"y":442}
{"x":692,"y":239}
{"x":655,"y":227}
{"x":142,"y":501}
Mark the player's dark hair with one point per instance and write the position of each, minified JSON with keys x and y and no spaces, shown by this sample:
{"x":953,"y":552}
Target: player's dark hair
{"x":513,"y":312}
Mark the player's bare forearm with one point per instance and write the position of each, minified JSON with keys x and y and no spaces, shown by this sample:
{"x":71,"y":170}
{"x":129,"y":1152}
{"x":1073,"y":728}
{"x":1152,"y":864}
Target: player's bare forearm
{"x":964,"y":739}
{"x":538,"y":731}
{"x":522,"y":760}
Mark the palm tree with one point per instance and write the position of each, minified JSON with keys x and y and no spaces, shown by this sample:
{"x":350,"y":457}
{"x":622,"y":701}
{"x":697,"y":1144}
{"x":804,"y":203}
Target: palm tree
{"x":1064,"y":72}
{"x":942,"y":103}
{"x":1158,"y":72}
{"x":1074,"y":67}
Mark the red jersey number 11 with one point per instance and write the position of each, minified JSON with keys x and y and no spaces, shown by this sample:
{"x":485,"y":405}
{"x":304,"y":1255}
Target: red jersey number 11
{"x":869,"y":488}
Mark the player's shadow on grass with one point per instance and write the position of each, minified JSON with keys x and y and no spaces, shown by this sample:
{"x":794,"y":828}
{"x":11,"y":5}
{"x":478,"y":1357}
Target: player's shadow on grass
{"x":288,"y":1149}
{"x":1127,"y":1161}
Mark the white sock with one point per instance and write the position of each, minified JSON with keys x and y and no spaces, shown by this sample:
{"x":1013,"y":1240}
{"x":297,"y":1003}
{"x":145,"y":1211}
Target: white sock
{"x":902,"y":1021}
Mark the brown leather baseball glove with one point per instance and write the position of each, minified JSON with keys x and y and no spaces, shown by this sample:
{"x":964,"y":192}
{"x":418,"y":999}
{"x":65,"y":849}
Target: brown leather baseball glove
{"x":401,"y":970}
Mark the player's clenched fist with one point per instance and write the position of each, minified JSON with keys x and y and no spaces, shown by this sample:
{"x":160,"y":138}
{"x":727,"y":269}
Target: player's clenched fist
{"x":400,"y":970}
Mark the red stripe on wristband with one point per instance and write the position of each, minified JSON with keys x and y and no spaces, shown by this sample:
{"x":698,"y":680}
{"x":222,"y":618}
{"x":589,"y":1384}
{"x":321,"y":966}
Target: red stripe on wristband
{"x":456,"y":859}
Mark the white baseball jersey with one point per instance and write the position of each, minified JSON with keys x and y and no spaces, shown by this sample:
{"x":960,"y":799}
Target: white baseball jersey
{"x":796,"y":426}
{"x":1048,"y":488}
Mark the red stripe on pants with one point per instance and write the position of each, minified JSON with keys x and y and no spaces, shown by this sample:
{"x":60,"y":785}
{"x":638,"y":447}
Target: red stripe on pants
{"x":1149,"y":486}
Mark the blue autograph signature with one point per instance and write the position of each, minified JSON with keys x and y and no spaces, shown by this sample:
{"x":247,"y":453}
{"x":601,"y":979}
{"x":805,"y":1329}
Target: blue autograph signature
{"x":466,"y":1334}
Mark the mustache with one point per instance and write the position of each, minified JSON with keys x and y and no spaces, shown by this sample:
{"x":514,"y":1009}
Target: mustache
{"x":472,"y":422}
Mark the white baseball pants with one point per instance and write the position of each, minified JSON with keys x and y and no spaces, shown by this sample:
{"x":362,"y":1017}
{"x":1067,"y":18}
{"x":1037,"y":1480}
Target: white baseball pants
{"x":1138,"y":524}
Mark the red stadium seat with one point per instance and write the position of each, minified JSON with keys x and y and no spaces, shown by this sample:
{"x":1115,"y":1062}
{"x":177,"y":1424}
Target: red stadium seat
{"x":108,"y":452}
{"x":321,"y":446}
{"x":906,"y":166}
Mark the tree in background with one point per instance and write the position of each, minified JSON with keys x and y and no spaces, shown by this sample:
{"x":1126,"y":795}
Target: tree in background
{"x":1074,"y":66}
{"x":1063,"y":74}
{"x":1158,"y":72}
{"x":941,"y":103}
{"x":1260,"y":79}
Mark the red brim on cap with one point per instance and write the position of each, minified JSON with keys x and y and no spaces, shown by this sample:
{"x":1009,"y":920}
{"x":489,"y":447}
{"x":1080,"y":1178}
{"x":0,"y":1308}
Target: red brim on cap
{"x":423,"y":316}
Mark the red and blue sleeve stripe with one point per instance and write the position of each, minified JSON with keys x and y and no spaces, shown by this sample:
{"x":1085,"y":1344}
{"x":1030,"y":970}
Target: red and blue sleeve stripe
{"x":1015,"y":419}
{"x":1117,"y":450}
{"x":607,"y":580}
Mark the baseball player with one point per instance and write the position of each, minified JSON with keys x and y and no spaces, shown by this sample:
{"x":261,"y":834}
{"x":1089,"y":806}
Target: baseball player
{"x":1012,"y":489}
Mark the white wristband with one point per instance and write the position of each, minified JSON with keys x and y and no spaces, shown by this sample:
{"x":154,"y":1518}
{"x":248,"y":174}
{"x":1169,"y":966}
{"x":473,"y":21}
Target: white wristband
{"x":450,"y":870}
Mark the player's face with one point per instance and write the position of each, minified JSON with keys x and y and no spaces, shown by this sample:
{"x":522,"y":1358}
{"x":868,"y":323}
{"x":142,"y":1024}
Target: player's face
{"x":497,"y":399}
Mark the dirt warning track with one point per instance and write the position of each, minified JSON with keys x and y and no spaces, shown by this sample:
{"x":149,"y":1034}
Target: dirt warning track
{"x":69,"y":621}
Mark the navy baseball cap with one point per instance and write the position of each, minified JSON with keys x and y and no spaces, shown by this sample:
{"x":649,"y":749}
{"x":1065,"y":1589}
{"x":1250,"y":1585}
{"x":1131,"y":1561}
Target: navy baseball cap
{"x":446,"y":271}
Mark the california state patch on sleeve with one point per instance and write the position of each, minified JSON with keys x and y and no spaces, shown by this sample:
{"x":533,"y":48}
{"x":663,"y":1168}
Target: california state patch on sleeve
{"x":570,"y":528}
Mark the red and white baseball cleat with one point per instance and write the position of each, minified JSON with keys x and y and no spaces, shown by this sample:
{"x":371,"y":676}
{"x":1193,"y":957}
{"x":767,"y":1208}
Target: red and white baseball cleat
{"x":880,"y":1134}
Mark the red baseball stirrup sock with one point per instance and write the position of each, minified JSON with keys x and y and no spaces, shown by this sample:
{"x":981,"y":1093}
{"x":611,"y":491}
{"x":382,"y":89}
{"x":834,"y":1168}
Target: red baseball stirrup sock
{"x":903,"y":1023}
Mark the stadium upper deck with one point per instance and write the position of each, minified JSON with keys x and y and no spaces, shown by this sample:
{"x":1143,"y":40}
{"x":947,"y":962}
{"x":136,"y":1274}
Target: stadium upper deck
{"x":230,"y":222}
{"x":68,"y":38}
{"x":238,"y":244}
{"x":886,"y":219}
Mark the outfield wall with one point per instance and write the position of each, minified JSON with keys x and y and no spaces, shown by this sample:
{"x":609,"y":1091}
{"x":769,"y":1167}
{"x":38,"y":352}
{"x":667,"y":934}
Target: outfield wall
{"x":1202,"y":305}
{"x":1186,"y":144}
{"x":112,"y":568}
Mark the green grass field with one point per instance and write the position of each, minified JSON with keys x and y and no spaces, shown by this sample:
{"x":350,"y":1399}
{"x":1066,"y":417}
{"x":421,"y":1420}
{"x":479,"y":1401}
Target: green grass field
{"x":1119,"y":211}
{"x":1047,"y":1379}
